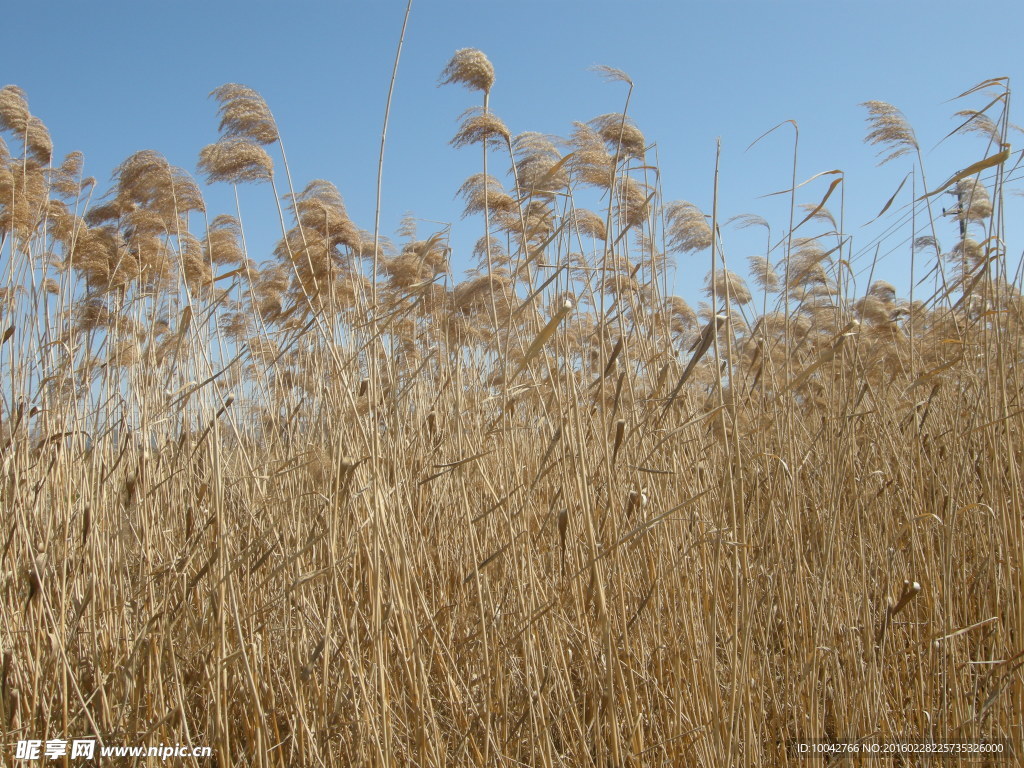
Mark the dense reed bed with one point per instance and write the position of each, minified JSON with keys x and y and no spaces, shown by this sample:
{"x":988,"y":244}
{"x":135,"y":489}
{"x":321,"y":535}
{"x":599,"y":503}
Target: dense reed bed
{"x":336,"y":504}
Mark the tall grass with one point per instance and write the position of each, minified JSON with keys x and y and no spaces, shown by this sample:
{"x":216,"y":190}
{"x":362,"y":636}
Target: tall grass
{"x":340,"y":507}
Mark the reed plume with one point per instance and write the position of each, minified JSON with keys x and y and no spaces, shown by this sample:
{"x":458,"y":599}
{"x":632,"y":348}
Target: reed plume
{"x":244,"y":115}
{"x":890,"y":129}
{"x":687,"y":228}
{"x":471,"y":68}
{"x":235,"y":161}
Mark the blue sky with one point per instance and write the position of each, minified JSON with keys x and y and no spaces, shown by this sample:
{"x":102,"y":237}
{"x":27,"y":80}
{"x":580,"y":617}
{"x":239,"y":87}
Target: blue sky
{"x":112,"y":78}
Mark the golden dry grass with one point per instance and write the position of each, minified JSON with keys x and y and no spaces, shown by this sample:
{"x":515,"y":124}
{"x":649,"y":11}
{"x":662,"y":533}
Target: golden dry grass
{"x":548,"y":515}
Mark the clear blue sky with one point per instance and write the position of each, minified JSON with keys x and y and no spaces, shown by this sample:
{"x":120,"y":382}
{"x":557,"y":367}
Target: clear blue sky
{"x":112,"y":78}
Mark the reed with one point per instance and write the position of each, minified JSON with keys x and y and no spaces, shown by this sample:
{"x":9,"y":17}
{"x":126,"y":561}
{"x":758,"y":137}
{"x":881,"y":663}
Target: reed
{"x":341,"y":506}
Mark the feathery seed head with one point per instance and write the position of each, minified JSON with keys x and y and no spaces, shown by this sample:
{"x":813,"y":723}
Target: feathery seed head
{"x":926,"y":242}
{"x":807,"y":266}
{"x":611,"y":74}
{"x":66,"y":180}
{"x":889,"y":127}
{"x":745,"y":220}
{"x":147,"y":180}
{"x":24,"y":199}
{"x":237,"y":326}
{"x":473,"y":189}
{"x":620,"y":131}
{"x":590,"y":162}
{"x":764,"y":273}
{"x":478,"y":126}
{"x":407,"y":227}
{"x":883,"y":290}
{"x":874,"y":309}
{"x":16,"y":118}
{"x":222,"y":242}
{"x":682,"y":318}
{"x":728,"y":283}
{"x":37,"y":141}
{"x":14,"y":114}
{"x":975,"y":203}
{"x":269,"y":288}
{"x":589,"y":223}
{"x":497,"y":247}
{"x":471,"y":68}
{"x":978,"y":122}
{"x":235,"y":161}
{"x":687,"y":228}
{"x":539,"y":218}
{"x":633,"y":200}
{"x":820,"y":213}
{"x":244,"y":114}
{"x":536,"y":164}
{"x":970,"y":250}
{"x":419,"y":262}
{"x":196,"y":269}
{"x":321,"y":209}
{"x":474,"y":295}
